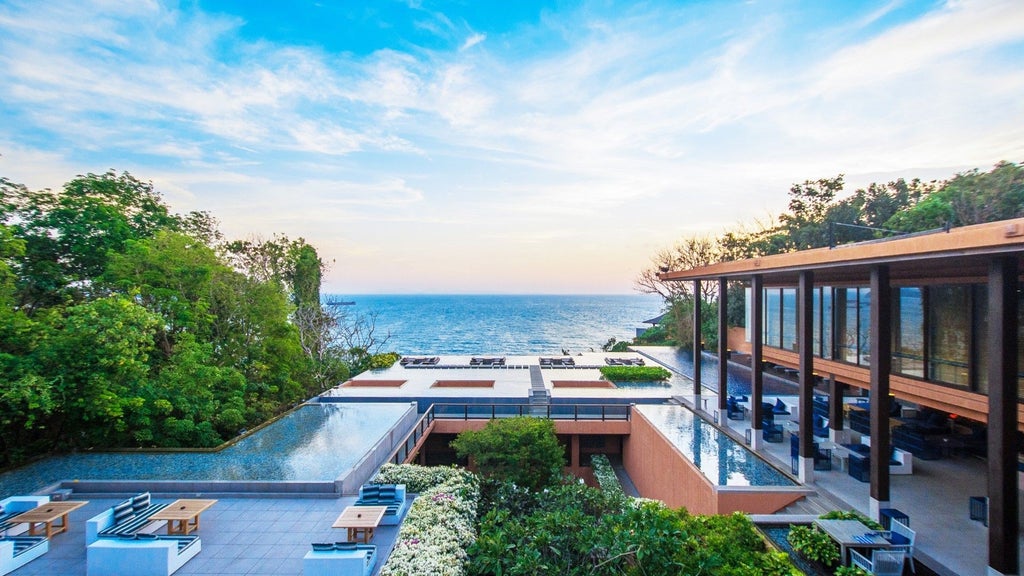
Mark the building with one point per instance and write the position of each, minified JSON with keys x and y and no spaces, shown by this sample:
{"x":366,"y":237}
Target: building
{"x":929,"y":320}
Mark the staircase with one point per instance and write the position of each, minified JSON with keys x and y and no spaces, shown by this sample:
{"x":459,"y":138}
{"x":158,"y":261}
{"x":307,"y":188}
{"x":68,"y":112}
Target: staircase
{"x":540,"y":397}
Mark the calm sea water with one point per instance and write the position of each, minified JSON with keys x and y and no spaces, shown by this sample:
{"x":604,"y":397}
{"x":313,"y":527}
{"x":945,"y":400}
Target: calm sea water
{"x":483,"y":324}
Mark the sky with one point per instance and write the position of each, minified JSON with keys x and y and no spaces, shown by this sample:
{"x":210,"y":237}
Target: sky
{"x":503,"y":147}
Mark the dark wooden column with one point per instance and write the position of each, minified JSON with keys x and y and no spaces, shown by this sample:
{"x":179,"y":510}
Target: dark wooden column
{"x":805,"y":345}
{"x":756,"y":344}
{"x":723,"y":342}
{"x":1003,"y":498}
{"x":836,"y":391}
{"x":696,"y":343}
{"x":881,"y":363}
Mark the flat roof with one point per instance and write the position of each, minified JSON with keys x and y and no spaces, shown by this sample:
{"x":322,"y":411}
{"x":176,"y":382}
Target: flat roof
{"x":911,"y":256}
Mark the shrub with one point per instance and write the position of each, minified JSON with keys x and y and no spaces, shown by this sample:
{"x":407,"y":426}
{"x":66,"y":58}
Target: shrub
{"x":440,"y":525}
{"x":635,"y":373}
{"x":605,"y":475}
{"x":851,"y":515}
{"x":851,"y":571}
{"x":522,"y":450}
{"x":814,"y":544}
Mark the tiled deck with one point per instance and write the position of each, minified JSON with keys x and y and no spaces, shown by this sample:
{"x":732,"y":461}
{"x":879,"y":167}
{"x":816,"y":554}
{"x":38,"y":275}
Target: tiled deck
{"x":239,"y":536}
{"x":935,"y":497}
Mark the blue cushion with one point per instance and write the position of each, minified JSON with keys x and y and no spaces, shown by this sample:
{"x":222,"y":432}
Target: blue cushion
{"x":322,"y":546}
{"x":344,"y":545}
{"x":779,"y":404}
{"x":140,"y":501}
{"x":140,"y":536}
{"x":123,"y":516}
{"x":126,"y":536}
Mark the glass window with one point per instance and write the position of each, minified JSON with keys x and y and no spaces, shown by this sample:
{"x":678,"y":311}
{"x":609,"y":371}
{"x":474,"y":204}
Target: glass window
{"x":826,"y":328}
{"x":846,"y":325}
{"x":979,"y":305}
{"x":772,"y":317}
{"x":816,"y":321}
{"x":908,"y":333}
{"x":864,"y":326}
{"x":789,"y":318}
{"x":949,"y":336}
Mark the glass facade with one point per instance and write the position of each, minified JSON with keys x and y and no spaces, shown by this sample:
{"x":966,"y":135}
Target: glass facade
{"x":908,"y":332}
{"x":937,"y":330}
{"x":789,"y":318}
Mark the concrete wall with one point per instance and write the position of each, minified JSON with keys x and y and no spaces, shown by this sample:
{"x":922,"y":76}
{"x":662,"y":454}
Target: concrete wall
{"x":363,"y":470}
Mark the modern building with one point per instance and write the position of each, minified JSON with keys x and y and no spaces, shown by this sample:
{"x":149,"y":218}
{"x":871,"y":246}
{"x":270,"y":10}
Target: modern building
{"x":928,"y":323}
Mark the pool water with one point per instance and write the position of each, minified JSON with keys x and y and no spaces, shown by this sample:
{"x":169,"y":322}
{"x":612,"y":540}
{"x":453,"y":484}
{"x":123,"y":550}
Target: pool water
{"x":317,"y":442}
{"x":721,"y":459}
{"x":680,"y":361}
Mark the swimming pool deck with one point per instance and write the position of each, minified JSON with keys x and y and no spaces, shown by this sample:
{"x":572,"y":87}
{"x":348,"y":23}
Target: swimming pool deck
{"x":240,"y":536}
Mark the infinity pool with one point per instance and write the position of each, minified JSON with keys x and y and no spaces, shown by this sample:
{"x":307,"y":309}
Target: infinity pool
{"x":720,"y":458}
{"x":316,"y":442}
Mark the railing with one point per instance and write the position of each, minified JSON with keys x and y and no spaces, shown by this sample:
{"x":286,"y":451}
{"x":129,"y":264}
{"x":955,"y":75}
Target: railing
{"x":417,"y":432}
{"x":551,"y":411}
{"x":598,"y":412}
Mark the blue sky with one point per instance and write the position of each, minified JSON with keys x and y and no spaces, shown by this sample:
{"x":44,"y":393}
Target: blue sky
{"x":503,"y":147}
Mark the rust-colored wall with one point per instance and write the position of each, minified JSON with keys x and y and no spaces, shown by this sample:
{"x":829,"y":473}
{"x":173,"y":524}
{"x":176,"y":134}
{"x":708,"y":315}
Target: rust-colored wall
{"x":751,"y":501}
{"x":660,"y":471}
{"x":561,"y":426}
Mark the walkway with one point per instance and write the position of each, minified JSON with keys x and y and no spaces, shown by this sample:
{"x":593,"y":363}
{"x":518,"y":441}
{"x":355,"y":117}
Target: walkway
{"x":240,"y":536}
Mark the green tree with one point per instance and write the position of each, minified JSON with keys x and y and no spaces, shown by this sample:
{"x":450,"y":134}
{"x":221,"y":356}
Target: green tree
{"x":69,"y":235}
{"x":522,"y":450}
{"x":97,"y":354}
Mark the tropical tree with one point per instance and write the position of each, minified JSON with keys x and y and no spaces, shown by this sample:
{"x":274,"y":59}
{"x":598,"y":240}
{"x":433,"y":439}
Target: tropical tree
{"x":521,"y":450}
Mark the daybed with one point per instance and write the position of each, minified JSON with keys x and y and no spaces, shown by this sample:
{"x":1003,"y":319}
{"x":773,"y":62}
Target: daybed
{"x":16,"y":551}
{"x":11,"y":507}
{"x":390,"y":495}
{"x":125,"y":518}
{"x":140,"y":555}
{"x":340,"y":559}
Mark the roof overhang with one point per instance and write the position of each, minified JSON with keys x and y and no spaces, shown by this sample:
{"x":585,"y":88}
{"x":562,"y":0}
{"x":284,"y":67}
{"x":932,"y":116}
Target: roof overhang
{"x":958,"y":253}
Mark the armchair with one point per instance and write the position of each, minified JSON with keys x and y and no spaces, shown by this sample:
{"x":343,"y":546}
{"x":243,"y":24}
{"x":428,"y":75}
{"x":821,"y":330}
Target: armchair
{"x":882,"y":562}
{"x":902,"y":538}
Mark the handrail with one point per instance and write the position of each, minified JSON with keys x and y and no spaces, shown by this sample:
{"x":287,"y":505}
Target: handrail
{"x":410,"y":441}
{"x":600,"y":412}
{"x":577,"y":412}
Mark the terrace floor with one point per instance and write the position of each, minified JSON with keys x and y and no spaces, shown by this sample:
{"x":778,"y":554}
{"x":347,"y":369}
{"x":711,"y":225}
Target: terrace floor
{"x":935,"y":497}
{"x":239,"y":536}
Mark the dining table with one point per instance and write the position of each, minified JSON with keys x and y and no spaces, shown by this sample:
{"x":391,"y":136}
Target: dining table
{"x":851,"y":534}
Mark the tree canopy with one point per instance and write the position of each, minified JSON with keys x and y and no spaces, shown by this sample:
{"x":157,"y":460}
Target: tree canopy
{"x":123,"y":324}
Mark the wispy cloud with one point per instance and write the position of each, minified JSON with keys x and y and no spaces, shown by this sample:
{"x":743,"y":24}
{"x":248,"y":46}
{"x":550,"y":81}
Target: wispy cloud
{"x":599,"y":128}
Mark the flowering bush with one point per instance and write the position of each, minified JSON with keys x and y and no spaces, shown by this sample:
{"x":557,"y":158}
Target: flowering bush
{"x":440,"y":525}
{"x":605,"y":475}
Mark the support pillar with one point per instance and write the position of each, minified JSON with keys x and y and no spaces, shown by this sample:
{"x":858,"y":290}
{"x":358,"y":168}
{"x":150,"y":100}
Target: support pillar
{"x":574,"y":451}
{"x":881,"y":363}
{"x":723,"y":348}
{"x":1003,"y":496}
{"x":696,"y":343}
{"x":805,"y":346}
{"x":756,"y":352}
{"x":836,"y":426}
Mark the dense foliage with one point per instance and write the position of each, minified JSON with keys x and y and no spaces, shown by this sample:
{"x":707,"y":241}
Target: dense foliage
{"x":524,"y":533}
{"x":635,"y":373}
{"x":440,"y":524}
{"x":124,"y":325}
{"x":814,"y":544}
{"x":522,"y":450}
{"x":605,"y":475}
{"x":817,"y":216}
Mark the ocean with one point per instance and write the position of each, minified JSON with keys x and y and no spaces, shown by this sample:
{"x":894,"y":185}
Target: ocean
{"x":496,"y":324}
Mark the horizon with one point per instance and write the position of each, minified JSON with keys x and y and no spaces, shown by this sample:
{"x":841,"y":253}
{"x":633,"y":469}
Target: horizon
{"x":541,"y":147}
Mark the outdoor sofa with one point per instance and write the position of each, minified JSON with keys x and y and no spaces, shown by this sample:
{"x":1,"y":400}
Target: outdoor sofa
{"x":390,"y":495}
{"x":122,"y":540}
{"x":16,"y":551}
{"x":340,"y":559}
